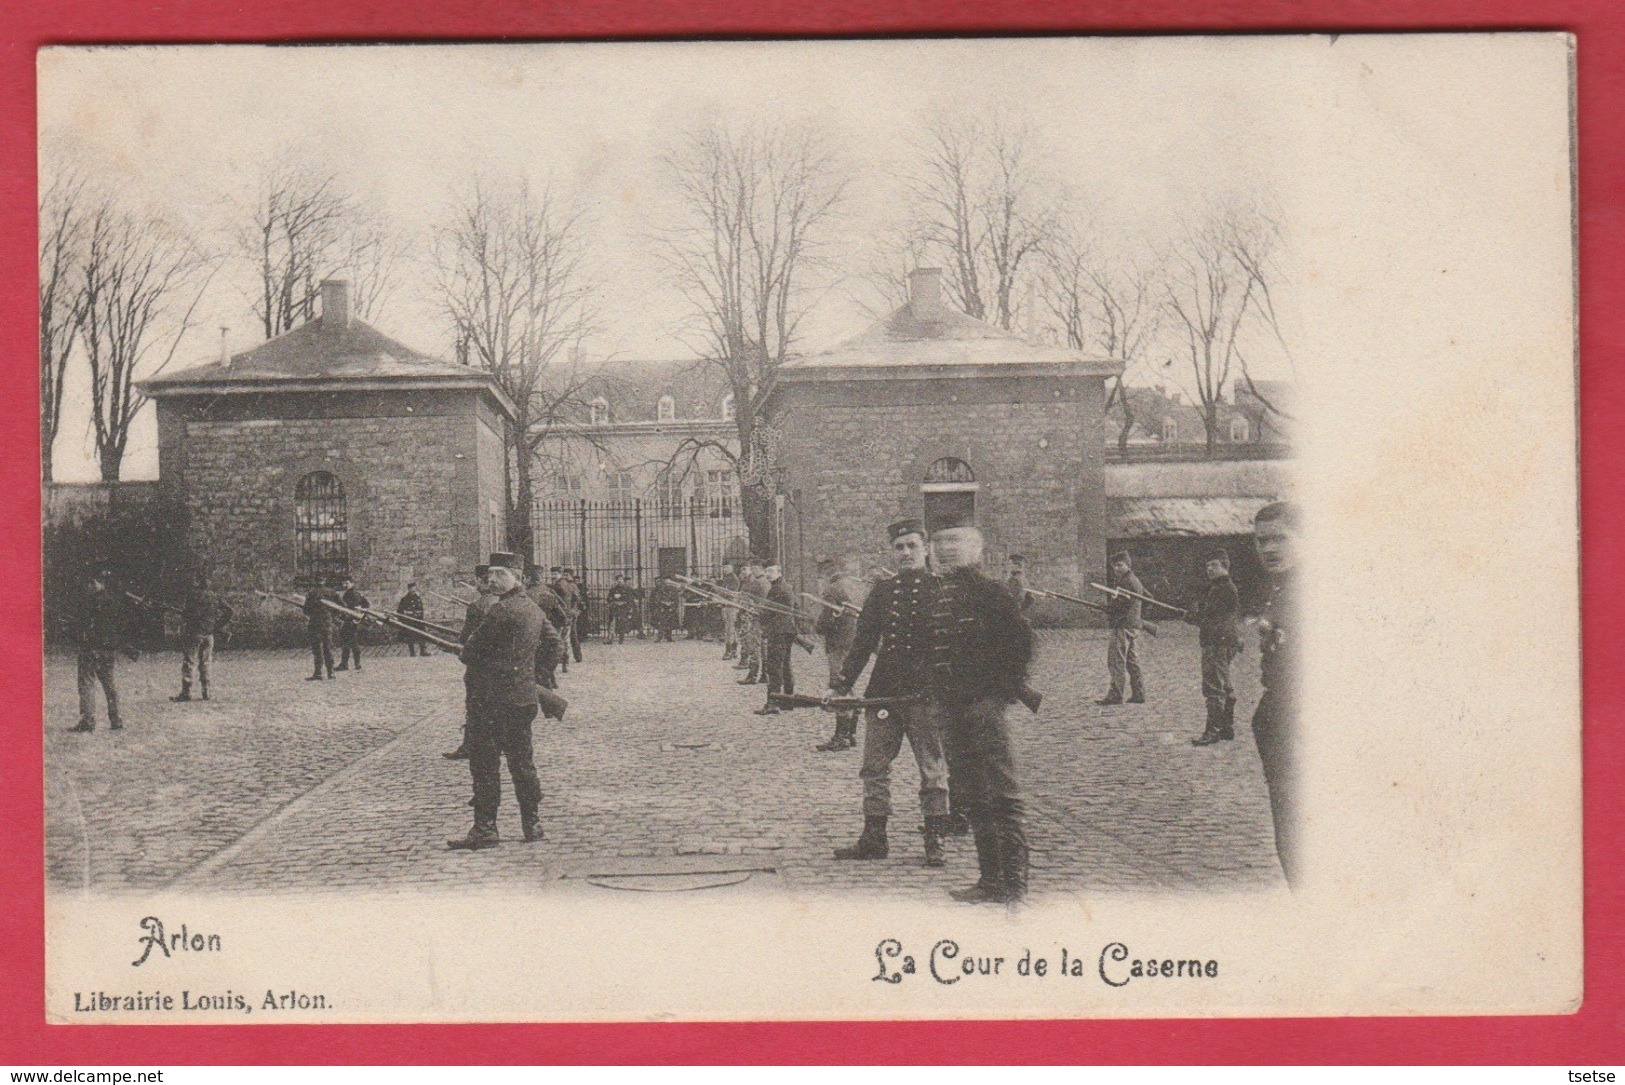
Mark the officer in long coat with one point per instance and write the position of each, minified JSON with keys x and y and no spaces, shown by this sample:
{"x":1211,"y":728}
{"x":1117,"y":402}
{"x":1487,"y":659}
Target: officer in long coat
{"x":1214,"y":613}
{"x":622,"y":610}
{"x":1275,"y":721}
{"x":981,"y":650}
{"x":501,"y":658}
{"x":895,"y":627}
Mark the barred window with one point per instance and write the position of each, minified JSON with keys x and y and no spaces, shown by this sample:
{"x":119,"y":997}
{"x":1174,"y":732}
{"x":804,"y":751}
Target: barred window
{"x":321,"y":528}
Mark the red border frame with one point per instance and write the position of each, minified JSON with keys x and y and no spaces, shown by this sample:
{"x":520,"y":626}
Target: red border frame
{"x":1595,"y":1035}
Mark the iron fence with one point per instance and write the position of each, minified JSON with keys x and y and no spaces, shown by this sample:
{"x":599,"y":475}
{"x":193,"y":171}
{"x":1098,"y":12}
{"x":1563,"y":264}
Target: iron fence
{"x":638,"y":538}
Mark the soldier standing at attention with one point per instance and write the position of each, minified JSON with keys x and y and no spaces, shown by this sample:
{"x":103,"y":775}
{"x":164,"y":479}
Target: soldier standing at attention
{"x":778,"y":637}
{"x":319,"y":629}
{"x":565,"y":590}
{"x":1215,"y":615}
{"x":753,"y":590}
{"x":663,"y":607}
{"x":895,"y":628}
{"x":619,"y":601}
{"x":100,"y":631}
{"x":729,"y":583}
{"x":411,"y":608}
{"x":501,"y":658}
{"x":576,"y":602}
{"x":546,"y":598}
{"x":838,"y":628}
{"x":202,"y":614}
{"x":350,"y":628}
{"x":472,"y":617}
{"x":981,"y":650}
{"x":1275,"y":721}
{"x":1123,"y":614}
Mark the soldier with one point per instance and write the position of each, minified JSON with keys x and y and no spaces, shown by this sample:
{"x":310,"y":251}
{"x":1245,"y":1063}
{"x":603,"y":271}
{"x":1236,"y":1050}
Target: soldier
{"x":896,"y":623}
{"x":981,"y":649}
{"x":202,"y":615}
{"x":472,"y":616}
{"x":1016,"y":582}
{"x":778,"y":636}
{"x":753,"y":589}
{"x":552,"y":608}
{"x":1275,"y":721}
{"x":411,"y":608}
{"x":1215,"y":615}
{"x":838,"y":628}
{"x":729,"y":583}
{"x":619,"y":602}
{"x":350,"y":627}
{"x":576,"y":603}
{"x":663,"y":607}
{"x":319,"y":628}
{"x":569,"y":600}
{"x":501,"y":658}
{"x":100,"y":630}
{"x":1123,"y":615}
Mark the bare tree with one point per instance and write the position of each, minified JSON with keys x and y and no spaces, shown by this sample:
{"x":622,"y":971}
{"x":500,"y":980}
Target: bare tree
{"x":1110,"y":304}
{"x":1212,"y":297}
{"x":61,"y":297}
{"x":304,"y":226}
{"x":510,"y":278}
{"x":751,"y":208}
{"x":141,"y":280}
{"x":983,"y":207}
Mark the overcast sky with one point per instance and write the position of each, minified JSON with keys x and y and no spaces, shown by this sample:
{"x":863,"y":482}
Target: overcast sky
{"x":1139,"y":130}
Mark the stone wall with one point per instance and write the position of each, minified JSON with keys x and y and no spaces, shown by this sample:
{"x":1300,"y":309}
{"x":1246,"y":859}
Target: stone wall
{"x":856,"y":453}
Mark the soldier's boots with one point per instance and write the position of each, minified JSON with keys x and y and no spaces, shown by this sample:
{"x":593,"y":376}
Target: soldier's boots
{"x":769,"y":709}
{"x":1013,"y":866}
{"x":1137,"y":695}
{"x":317,"y":677}
{"x":955,"y":824}
{"x":990,"y":884}
{"x":1214,"y":731}
{"x":185,"y":694}
{"x":459,"y":754}
{"x":728,"y":652}
{"x":749,"y":679}
{"x":482,"y":835}
{"x":1114,"y":697}
{"x":871,"y":842}
{"x":1228,"y":723}
{"x":83,"y":727}
{"x":530,"y":826}
{"x":203,"y":690}
{"x":935,"y":855}
{"x":845,"y":736}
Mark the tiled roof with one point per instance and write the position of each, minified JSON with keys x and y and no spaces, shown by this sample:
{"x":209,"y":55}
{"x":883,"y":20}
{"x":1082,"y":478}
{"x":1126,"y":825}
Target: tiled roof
{"x":358,"y":352}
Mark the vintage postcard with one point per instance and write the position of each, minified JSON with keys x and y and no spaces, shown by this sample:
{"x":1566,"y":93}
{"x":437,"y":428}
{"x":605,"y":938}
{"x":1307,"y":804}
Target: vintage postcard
{"x":810,"y":530}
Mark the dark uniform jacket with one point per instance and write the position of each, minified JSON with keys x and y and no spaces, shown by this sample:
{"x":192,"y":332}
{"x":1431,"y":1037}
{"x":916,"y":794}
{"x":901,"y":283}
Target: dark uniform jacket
{"x":1123,"y":612}
{"x":475,"y":613}
{"x":729,"y":582}
{"x":355,"y":601}
{"x":551,"y":605}
{"x":1278,"y":653}
{"x":839,"y":627}
{"x":663,"y":603}
{"x":619,"y":599}
{"x":1215,"y":614}
{"x":100,"y":622}
{"x":981,"y":646}
{"x":1016,"y":585}
{"x":411,"y":605}
{"x":202,"y":613}
{"x":896,"y":623}
{"x":501,"y":651}
{"x":776,"y":623}
{"x":318,"y":617}
{"x":569,"y":594}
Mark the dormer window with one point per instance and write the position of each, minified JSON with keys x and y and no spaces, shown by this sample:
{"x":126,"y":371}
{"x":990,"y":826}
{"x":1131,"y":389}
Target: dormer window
{"x":1170,"y":430}
{"x":728,"y":407}
{"x":666,"y":410}
{"x":1239,"y":430}
{"x":599,"y":411}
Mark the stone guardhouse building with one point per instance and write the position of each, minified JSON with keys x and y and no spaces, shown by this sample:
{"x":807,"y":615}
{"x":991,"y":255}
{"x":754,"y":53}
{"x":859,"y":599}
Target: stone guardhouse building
{"x":332,"y":450}
{"x":933,"y":413}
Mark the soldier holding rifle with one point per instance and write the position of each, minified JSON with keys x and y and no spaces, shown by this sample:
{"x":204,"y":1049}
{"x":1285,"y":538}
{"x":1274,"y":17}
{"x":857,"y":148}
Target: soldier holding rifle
{"x":411,"y":608}
{"x":842,"y":600}
{"x":319,"y":627}
{"x":500,"y":654}
{"x":350,"y":626}
{"x":895,"y":627}
{"x":1124,"y":616}
{"x":778,"y":621}
{"x":472,"y":617}
{"x":202,"y":616}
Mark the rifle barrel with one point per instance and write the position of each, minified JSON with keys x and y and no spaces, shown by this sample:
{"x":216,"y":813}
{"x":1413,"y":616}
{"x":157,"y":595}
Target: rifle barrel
{"x":1137,"y":595}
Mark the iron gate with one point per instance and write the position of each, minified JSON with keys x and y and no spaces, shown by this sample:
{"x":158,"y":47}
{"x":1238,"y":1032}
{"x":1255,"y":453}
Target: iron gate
{"x":629,"y":537}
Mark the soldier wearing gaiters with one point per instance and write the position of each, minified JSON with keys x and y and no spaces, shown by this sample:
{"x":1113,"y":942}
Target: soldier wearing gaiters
{"x":202,"y":615}
{"x":1215,"y":615}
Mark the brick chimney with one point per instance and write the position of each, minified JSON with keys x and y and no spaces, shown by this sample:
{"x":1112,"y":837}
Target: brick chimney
{"x":225,"y":347}
{"x":335,"y":305}
{"x":925,"y":293}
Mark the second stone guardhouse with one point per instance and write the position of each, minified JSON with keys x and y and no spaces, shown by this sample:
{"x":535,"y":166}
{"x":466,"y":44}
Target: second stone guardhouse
{"x":333,"y":450}
{"x":932,"y":413}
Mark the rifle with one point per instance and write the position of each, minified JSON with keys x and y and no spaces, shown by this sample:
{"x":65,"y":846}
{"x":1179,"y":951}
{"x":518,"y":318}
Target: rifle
{"x":220,"y":622}
{"x":755,"y":606}
{"x":1142,"y":598}
{"x":839,"y":608}
{"x":374,"y":616}
{"x":1149,"y":628}
{"x":840,"y":704}
{"x":381,"y":614}
{"x":449,"y":598}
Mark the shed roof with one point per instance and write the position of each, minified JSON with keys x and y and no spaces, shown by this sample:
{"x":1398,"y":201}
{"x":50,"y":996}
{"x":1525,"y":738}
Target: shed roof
{"x":1141,"y":517}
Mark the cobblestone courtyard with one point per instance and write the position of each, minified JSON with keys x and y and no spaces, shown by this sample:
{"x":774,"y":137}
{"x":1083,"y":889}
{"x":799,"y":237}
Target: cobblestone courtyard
{"x":660,"y":773}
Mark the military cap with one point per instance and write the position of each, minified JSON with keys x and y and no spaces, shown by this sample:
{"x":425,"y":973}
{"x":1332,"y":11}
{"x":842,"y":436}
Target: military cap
{"x":1219,"y":553}
{"x":481,"y":570}
{"x":1018,"y":559}
{"x":909,"y":525}
{"x":502,"y":559}
{"x":1122,"y":555}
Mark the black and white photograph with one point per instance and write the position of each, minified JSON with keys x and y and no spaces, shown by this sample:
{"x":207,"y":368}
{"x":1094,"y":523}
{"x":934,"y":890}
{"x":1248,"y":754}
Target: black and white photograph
{"x":917,"y":528}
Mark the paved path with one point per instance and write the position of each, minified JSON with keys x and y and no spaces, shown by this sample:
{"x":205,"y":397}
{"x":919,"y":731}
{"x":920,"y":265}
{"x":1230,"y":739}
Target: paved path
{"x":292,"y":786}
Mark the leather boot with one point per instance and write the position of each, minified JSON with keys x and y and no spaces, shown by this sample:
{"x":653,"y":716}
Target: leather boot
{"x":530,"y":825}
{"x":1227,"y":723}
{"x":203,"y":690}
{"x":1212,"y":732}
{"x":990,"y":885}
{"x":1136,"y":694}
{"x":461,"y":752}
{"x":934,"y":854}
{"x":185,"y":694}
{"x":871,"y":842}
{"x":1114,"y":697}
{"x":849,"y":732}
{"x":749,"y":679}
{"x":482,"y":835}
{"x":837,"y":741}
{"x":1013,"y":867}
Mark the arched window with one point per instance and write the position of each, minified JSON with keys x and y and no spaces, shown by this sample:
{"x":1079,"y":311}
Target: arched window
{"x":949,"y":492}
{"x":1239,"y":430}
{"x":600,"y":412}
{"x":321,"y":528}
{"x":666,"y":409}
{"x":1170,"y":429}
{"x":728,"y":407}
